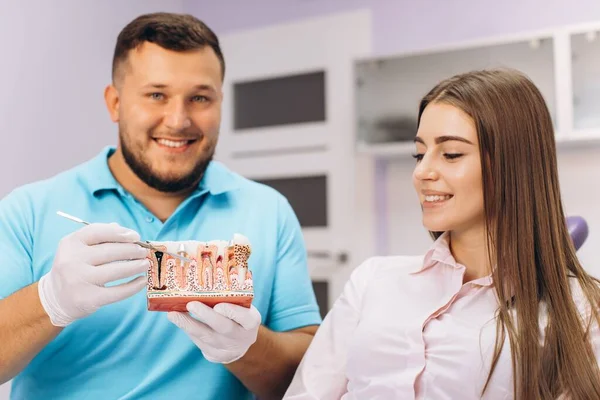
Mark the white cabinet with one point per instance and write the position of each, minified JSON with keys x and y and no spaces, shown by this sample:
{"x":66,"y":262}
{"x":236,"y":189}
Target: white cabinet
{"x":288,"y":95}
{"x":585,"y":72}
{"x":302,"y":98}
{"x":564,"y":63}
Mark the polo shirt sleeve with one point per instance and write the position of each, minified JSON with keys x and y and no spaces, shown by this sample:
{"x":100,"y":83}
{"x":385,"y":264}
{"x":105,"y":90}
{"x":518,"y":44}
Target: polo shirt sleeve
{"x":293,"y":302}
{"x":16,"y":242}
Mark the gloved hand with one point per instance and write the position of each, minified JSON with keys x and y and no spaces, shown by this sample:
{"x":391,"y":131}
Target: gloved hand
{"x":223,"y":333}
{"x":85,"y":261}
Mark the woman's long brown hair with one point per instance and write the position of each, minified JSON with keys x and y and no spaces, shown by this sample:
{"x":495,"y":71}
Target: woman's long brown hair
{"x":527,"y":236}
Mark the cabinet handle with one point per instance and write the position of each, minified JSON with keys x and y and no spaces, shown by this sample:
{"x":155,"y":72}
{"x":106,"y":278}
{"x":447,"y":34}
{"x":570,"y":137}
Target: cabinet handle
{"x":341,"y":257}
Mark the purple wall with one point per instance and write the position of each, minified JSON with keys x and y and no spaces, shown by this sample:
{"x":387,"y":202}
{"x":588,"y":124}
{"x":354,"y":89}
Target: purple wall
{"x":405,"y":25}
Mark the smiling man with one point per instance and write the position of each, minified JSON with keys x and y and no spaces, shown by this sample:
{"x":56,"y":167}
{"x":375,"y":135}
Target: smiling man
{"x":74,"y":319}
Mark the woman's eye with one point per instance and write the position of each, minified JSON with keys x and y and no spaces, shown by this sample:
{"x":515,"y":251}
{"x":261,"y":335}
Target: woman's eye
{"x":156,"y":96}
{"x":452,"y":156}
{"x":418,"y":157}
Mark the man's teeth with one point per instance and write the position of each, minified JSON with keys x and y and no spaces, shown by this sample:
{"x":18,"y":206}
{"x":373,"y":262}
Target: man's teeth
{"x":172,"y":143}
{"x":437,"y":198}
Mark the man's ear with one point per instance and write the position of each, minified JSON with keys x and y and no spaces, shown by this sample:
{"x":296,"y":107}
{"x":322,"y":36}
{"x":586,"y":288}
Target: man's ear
{"x":111,"y":97}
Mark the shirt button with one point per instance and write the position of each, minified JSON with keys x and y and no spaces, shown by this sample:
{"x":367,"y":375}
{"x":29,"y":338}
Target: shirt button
{"x":149,"y":219}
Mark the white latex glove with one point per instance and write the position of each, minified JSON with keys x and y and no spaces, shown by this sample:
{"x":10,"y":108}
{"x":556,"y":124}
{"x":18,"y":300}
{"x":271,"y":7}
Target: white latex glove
{"x":85,"y":261}
{"x":223,"y":333}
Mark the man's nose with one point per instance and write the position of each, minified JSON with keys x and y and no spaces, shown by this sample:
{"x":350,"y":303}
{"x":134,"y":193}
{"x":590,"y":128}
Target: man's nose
{"x":177,"y":117}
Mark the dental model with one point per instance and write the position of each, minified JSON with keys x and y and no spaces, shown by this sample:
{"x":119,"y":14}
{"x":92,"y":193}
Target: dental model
{"x":218,"y":273}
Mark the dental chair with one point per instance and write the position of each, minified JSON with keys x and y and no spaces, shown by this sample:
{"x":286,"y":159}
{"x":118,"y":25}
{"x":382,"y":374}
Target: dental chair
{"x":578,"y":229}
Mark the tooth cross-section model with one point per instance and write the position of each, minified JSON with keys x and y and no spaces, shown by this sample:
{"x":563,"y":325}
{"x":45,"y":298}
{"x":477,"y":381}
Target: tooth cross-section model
{"x":218,"y":273}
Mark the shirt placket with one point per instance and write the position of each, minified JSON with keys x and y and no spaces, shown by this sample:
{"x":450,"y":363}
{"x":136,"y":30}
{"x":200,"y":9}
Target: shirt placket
{"x":458,"y":290}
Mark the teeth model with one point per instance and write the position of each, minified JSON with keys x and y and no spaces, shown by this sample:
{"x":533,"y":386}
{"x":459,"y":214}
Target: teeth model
{"x":218,"y":273}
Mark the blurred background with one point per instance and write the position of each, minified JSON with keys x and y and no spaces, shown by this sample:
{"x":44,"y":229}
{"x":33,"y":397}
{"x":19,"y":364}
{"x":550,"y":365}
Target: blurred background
{"x":320,"y":101}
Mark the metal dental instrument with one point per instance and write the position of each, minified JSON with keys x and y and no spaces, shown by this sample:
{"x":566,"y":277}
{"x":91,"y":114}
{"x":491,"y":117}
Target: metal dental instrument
{"x":145,"y":244}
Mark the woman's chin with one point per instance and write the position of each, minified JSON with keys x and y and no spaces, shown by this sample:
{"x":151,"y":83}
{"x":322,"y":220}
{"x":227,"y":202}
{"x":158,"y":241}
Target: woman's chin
{"x":433,"y":227}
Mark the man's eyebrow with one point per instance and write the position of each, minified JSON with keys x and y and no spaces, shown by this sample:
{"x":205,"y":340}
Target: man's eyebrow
{"x":155,"y":85}
{"x":205,"y":87}
{"x":196,"y":87}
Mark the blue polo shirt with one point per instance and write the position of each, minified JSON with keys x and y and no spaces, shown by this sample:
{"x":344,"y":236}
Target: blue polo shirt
{"x":124,"y":351}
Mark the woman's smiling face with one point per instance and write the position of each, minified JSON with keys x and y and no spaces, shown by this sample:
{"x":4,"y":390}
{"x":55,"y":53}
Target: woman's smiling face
{"x":448,"y":175}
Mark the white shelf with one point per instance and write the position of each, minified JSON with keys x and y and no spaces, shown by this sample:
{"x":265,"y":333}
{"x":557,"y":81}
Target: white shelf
{"x":386,"y":150}
{"x":563,"y":62}
{"x":579,"y":138}
{"x":404,"y":150}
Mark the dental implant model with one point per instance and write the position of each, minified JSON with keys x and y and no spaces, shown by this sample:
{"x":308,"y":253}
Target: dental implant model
{"x":215,"y":272}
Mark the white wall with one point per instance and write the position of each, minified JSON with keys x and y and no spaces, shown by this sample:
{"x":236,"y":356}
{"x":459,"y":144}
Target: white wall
{"x":579,"y":172}
{"x":402,"y":25}
{"x":56,"y":61}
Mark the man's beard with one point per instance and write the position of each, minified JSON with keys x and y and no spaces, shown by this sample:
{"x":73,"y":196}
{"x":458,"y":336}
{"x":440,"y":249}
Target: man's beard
{"x":143,"y":170}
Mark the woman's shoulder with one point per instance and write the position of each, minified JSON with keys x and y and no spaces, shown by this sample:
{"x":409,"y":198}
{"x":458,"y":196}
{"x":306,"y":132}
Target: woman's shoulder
{"x":390,"y":265}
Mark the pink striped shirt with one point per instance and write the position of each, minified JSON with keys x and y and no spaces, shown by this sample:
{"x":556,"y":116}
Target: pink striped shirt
{"x":408,"y":328}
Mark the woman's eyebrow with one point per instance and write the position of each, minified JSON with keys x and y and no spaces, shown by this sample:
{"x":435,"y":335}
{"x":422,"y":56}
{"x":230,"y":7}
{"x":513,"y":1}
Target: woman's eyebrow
{"x":444,"y":138}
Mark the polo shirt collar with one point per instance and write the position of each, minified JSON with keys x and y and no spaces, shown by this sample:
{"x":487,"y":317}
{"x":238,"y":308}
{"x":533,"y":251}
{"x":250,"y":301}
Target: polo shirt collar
{"x":216,"y":180}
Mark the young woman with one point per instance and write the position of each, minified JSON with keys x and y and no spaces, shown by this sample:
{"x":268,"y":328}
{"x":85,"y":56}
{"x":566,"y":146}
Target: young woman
{"x":499,"y":307}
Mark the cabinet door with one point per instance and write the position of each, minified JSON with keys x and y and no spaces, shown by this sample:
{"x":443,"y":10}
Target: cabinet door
{"x":288,"y":117}
{"x":585,"y":74}
{"x":314,"y":186}
{"x":289,"y":87}
{"x":389,"y":89}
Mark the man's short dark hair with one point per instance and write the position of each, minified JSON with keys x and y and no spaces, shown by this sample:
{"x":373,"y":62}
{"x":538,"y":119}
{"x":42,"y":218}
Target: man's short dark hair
{"x":177,"y":32}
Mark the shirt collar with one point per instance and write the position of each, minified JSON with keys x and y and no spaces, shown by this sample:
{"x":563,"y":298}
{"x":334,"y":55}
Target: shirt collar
{"x":439,"y":253}
{"x":97,"y":175}
{"x":217,"y":178}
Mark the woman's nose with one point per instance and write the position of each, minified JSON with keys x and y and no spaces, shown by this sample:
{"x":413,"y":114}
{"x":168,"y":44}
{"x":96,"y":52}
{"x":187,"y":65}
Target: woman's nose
{"x":426,"y":169}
